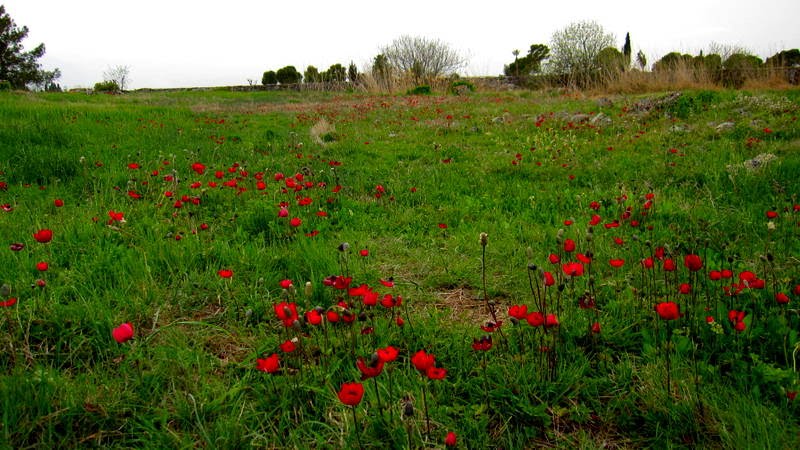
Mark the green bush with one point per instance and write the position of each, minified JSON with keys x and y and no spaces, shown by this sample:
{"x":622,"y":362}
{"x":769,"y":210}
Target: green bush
{"x":288,"y":75}
{"x":420,"y":90}
{"x":461,"y":87}
{"x":5,"y":85}
{"x":106,"y":86}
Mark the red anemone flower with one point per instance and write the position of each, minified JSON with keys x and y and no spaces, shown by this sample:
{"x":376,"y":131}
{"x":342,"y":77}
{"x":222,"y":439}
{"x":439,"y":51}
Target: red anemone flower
{"x":422,"y":361}
{"x":519,"y":312}
{"x":535,"y":319}
{"x":10,"y":302}
{"x":569,"y":245}
{"x":482,"y":344}
{"x":693,"y":262}
{"x":42,"y":266}
{"x":616,"y":263}
{"x":387,"y":354}
{"x":573,"y":269}
{"x":225,"y":273}
{"x":295,"y":222}
{"x":123,"y":332}
{"x":287,"y":312}
{"x":450,"y":440}
{"x":781,"y":298}
{"x":436,"y":373}
{"x":269,"y":364}
{"x":373,"y":369}
{"x":668,"y":310}
{"x":351,"y":393}
{"x":286,"y":284}
{"x":548,"y":279}
{"x":288,"y":346}
{"x":44,"y":235}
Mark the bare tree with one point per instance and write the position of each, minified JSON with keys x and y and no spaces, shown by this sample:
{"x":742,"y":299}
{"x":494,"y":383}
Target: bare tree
{"x":574,"y":51}
{"x":423,"y":58}
{"x":118,"y":74}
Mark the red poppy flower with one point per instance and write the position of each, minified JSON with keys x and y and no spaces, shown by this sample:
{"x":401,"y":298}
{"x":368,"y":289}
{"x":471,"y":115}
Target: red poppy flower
{"x":796,"y":290}
{"x":553,"y":258}
{"x":551,"y":321}
{"x":772,"y":215}
{"x":791,"y":395}
{"x":351,"y":393}
{"x":535,"y":319}
{"x":548,"y":279}
{"x":225,"y":273}
{"x":594,"y":220}
{"x":288,"y":346}
{"x":133,"y":166}
{"x":332,"y":316}
{"x":295,"y":222}
{"x":482,"y":344}
{"x":618,"y":241}
{"x":668,"y":310}
{"x":596,"y":328}
{"x":450,"y":440}
{"x":569,"y":245}
{"x":669,"y":265}
{"x":647,"y":263}
{"x":443,"y":226}
{"x":573,"y":269}
{"x":387,"y":354}
{"x":369,"y":370}
{"x":693,"y":262}
{"x":436,"y":373}
{"x":616,"y":263}
{"x":10,"y":302}
{"x":363,"y":252}
{"x":199,"y":168}
{"x":715,"y":275}
{"x":287,"y":312}
{"x":390,"y":302}
{"x":388,"y":283}
{"x":123,"y":332}
{"x":586,"y":259}
{"x":270,"y":364}
{"x":134,"y":195}
{"x":116,"y":216}
{"x":685,"y":288}
{"x":286,"y":284}
{"x":422,"y":361}
{"x":313,"y":317}
{"x":781,"y":298}
{"x":44,"y":235}
{"x":491,"y":327}
{"x":519,"y":312}
{"x":58,"y":203}
{"x":42,"y":266}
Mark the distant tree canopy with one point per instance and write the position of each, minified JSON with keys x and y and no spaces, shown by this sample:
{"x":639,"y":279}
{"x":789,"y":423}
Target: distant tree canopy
{"x":422,"y":58}
{"x":335,"y":73}
{"x":382,"y":71}
{"x":288,"y":75}
{"x":529,"y":64}
{"x":17,"y":67}
{"x":611,"y":62}
{"x":575,"y":49}
{"x":269,"y":77}
{"x":312,"y":75}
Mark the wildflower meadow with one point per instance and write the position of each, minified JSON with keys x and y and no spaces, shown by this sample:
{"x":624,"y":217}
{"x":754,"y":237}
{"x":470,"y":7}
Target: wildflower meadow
{"x":341,"y":270}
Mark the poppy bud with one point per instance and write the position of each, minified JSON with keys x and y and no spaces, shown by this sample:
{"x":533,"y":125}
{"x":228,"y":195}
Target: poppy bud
{"x":297,"y":325}
{"x":648,"y":243}
{"x":343,"y":247}
{"x":770,"y":257}
{"x":5,"y":290}
{"x":309,"y":289}
{"x":374,"y":359}
{"x":532,"y":266}
{"x":561,"y":287}
{"x":362,"y":317}
{"x":484,"y":239}
{"x":559,"y":234}
{"x":319,"y":309}
{"x":529,"y":252}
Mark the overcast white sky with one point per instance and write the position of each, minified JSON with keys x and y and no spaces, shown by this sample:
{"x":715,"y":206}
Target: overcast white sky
{"x":171,"y":43}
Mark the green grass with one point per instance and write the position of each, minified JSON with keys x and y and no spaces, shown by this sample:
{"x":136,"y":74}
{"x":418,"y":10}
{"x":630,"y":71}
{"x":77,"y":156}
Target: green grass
{"x":519,"y":166}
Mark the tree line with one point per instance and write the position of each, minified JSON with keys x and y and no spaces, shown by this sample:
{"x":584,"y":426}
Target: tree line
{"x":580,"y":55}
